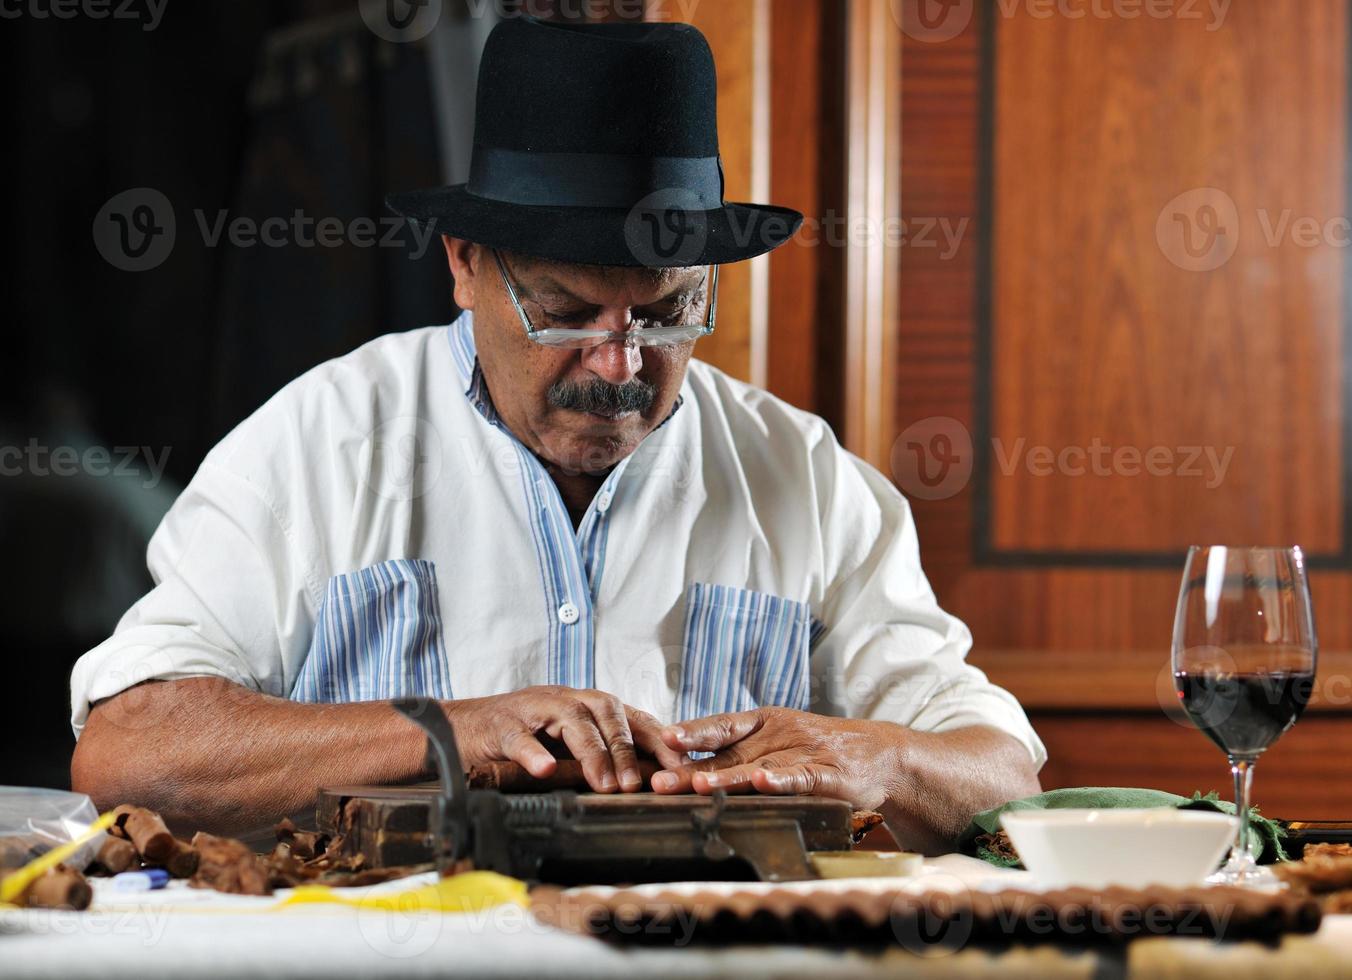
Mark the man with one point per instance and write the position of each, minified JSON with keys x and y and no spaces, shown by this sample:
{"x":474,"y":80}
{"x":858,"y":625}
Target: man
{"x":551,"y":519}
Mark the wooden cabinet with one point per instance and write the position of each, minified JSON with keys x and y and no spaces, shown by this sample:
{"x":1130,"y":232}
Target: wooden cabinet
{"x":1142,"y":350}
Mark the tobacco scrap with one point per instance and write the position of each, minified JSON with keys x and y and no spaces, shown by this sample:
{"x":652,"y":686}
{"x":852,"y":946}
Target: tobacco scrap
{"x":1325,"y":873}
{"x":228,"y":866}
{"x":304,"y":844}
{"x":1316,"y":875}
{"x":998,"y":845}
{"x":139,"y":838}
{"x":305,"y":856}
{"x":862,"y":821}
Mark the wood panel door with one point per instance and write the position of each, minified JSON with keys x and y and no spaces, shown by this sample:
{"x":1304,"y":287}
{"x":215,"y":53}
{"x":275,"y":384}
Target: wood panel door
{"x":781,"y":77}
{"x":1124,"y":333}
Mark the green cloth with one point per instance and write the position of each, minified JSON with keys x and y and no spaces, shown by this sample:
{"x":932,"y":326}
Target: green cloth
{"x":973,"y":840}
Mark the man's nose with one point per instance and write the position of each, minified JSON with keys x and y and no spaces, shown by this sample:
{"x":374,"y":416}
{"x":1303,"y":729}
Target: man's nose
{"x":614,"y":361}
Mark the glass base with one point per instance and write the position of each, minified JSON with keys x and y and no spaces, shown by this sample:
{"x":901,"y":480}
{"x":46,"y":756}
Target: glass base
{"x":1242,"y":871}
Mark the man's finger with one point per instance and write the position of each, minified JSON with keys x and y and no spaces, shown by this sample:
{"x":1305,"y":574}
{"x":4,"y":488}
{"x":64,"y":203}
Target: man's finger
{"x":614,"y":725}
{"x":647,"y":732}
{"x":577,"y":727}
{"x":714,"y":732}
{"x":737,"y":779}
{"x":520,"y":746}
{"x":680,"y":779}
{"x":804,"y":779}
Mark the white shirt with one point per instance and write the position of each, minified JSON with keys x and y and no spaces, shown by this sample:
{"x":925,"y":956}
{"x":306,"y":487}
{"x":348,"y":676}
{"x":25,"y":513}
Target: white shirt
{"x":374,"y":531}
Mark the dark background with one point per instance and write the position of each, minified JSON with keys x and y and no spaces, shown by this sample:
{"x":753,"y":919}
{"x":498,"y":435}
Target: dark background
{"x":255,"y":109}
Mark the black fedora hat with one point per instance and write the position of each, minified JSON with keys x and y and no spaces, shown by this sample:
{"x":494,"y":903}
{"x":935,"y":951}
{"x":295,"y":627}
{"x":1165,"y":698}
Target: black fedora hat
{"x":598,"y":144}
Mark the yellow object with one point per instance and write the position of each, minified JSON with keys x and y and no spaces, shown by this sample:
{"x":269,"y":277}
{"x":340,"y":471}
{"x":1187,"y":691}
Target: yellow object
{"x":14,"y":885}
{"x":472,"y":891}
{"x":865,"y":864}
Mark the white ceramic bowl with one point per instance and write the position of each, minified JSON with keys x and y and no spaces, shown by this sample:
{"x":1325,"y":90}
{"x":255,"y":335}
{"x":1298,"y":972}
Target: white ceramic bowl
{"x":1094,"y":848}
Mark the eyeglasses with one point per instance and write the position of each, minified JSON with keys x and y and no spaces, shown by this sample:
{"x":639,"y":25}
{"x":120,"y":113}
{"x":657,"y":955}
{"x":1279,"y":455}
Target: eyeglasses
{"x":576,"y":337}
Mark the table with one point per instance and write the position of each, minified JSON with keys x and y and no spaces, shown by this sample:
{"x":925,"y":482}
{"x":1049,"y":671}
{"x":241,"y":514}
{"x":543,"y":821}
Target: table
{"x":187,"y":933}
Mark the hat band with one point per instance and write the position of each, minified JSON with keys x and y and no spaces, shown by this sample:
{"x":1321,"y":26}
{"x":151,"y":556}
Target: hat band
{"x":594,"y":180}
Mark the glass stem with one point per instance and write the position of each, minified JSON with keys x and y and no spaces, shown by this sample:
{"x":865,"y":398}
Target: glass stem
{"x":1242,"y":770}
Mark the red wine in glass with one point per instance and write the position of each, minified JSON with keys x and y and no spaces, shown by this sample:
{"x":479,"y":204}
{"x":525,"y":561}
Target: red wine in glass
{"x":1244,"y":713}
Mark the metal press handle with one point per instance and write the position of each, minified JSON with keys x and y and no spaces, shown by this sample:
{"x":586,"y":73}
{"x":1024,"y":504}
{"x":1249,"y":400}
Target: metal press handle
{"x":453,"y":803}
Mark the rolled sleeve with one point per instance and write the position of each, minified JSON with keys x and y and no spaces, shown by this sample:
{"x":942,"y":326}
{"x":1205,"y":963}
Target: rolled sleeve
{"x":886,"y":650}
{"x":230,"y":600}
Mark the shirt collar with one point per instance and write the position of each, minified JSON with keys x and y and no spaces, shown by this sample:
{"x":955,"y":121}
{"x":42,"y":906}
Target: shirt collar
{"x":466,"y":358}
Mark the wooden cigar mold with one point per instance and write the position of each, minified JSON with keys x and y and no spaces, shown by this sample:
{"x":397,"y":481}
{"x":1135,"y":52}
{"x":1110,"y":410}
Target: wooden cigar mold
{"x":563,"y":836}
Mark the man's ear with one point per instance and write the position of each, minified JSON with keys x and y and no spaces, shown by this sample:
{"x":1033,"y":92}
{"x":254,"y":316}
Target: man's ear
{"x":463,"y":258}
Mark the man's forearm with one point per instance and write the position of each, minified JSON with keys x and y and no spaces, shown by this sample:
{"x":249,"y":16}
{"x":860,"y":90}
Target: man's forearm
{"x":944,"y":778}
{"x":212,"y":755}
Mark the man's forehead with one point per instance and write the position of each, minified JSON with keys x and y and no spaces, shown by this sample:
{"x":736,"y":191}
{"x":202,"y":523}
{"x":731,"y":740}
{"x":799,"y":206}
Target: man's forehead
{"x":550,"y":277}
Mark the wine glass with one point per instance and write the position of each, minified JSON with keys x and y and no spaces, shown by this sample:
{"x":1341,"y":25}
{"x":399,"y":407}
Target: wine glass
{"x":1244,"y":653}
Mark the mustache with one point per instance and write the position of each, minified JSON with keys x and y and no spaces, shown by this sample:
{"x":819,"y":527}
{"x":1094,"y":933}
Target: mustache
{"x":601,"y":396}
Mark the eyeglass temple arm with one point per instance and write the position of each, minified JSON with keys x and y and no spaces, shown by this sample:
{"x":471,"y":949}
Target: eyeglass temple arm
{"x":713,"y":302}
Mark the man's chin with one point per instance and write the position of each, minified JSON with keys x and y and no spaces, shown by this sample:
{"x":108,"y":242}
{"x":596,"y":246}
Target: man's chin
{"x":594,"y":449}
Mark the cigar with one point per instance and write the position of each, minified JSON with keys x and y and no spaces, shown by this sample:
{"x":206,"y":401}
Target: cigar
{"x":511,"y":777}
{"x":146,"y":831}
{"x":117,"y":855}
{"x":182,"y":861}
{"x":60,"y":888}
{"x":15,"y":852}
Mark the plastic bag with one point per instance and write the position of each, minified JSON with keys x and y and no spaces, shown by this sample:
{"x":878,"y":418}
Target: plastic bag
{"x":33,"y":821}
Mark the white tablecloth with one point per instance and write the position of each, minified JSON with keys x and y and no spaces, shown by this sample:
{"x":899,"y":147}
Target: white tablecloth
{"x":183,"y":932}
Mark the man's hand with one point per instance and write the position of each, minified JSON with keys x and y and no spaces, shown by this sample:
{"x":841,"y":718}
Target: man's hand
{"x":601,"y":731}
{"x":781,"y":750}
{"x":927,"y":785}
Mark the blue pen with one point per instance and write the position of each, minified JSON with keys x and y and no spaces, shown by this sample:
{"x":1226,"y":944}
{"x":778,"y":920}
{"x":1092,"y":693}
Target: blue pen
{"x":140,"y":881}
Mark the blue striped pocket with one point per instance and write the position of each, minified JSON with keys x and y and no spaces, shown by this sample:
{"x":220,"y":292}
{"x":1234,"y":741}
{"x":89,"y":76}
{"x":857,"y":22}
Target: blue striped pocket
{"x":378,"y":635}
{"x":743,"y":650}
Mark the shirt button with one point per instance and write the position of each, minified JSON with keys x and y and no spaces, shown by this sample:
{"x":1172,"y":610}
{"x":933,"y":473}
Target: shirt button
{"x":568,"y":614}
{"x":603,"y":501}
